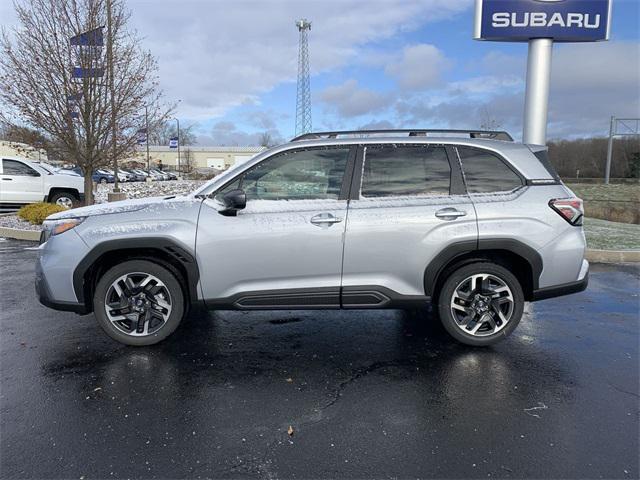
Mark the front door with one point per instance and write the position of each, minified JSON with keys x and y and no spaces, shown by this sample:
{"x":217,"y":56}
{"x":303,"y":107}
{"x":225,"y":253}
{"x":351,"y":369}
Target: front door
{"x":409,"y":205}
{"x":284,"y":250}
{"x":20,"y":183}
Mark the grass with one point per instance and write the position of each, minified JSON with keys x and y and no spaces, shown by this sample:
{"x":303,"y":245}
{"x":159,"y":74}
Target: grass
{"x":605,"y":235}
{"x":611,"y":192}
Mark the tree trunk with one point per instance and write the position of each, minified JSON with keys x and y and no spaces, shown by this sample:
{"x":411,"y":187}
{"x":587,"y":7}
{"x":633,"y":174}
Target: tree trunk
{"x":88,"y":187}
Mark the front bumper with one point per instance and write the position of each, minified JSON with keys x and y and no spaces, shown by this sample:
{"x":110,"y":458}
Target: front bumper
{"x":45,"y":298}
{"x":566,"y":288}
{"x":58,"y":256}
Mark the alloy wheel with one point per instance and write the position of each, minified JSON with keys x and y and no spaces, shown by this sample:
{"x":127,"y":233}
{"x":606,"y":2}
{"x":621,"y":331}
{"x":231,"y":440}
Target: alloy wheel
{"x":65,"y":202}
{"x":138,"y":304}
{"x":482,"y":305}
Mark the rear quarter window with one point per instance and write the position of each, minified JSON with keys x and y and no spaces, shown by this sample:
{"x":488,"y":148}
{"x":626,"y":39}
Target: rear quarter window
{"x":485,"y":172}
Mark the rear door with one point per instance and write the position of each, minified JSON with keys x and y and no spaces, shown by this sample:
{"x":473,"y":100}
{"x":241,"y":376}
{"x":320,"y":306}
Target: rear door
{"x":408,"y":205}
{"x":20,"y":182}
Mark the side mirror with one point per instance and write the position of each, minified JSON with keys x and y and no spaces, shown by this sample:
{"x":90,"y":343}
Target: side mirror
{"x":233,"y":201}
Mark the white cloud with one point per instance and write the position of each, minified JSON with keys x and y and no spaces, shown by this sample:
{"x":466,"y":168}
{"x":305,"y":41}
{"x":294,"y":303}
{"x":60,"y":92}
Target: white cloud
{"x":421,"y":67}
{"x":350,"y":100}
{"x":590,"y":82}
{"x":217,"y":55}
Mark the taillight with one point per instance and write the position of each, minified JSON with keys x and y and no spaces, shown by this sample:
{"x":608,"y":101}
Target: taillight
{"x":569,"y":208}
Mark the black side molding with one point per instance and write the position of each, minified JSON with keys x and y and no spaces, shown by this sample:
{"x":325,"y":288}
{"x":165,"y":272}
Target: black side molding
{"x":355,"y":297}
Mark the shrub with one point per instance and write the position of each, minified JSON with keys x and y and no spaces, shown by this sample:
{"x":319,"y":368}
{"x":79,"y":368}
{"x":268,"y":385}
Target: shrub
{"x":35,"y":213}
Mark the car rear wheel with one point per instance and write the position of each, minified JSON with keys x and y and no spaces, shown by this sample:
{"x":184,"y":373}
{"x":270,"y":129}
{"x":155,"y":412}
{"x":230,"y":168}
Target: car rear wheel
{"x":138,"y":303}
{"x":481,"y":303}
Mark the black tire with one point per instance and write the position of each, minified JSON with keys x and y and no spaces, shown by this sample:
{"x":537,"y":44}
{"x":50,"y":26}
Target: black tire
{"x":451,"y":284}
{"x":63,"y":199}
{"x":177,"y":301}
{"x":103,"y":181}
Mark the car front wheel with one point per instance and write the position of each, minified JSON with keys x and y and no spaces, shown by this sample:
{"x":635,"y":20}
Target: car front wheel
{"x":481,"y":303}
{"x":65,"y":199}
{"x":138,"y":302}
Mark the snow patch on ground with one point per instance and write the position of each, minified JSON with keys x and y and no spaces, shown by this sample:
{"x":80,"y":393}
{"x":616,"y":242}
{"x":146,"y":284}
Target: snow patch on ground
{"x":13,"y":221}
{"x":149,"y":189}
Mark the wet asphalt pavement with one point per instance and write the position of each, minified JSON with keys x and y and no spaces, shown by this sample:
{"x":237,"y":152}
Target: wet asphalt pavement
{"x":367,"y":393}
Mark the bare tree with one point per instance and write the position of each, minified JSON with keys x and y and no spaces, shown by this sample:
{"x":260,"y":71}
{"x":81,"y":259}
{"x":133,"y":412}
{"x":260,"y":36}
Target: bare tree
{"x":187,"y":161}
{"x":164,"y":131}
{"x":38,"y":87}
{"x":266,"y":140}
{"x":26,"y":135}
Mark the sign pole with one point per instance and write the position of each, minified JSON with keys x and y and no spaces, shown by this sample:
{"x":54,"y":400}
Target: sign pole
{"x":607,"y":172}
{"x":536,"y":100}
{"x":146,"y":121}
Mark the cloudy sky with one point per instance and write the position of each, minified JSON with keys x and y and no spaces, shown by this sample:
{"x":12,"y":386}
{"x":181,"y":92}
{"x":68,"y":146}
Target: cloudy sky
{"x":377,"y":63}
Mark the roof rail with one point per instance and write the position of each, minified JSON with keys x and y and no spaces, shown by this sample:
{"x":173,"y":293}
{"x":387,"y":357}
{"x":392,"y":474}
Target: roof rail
{"x":411,"y":132}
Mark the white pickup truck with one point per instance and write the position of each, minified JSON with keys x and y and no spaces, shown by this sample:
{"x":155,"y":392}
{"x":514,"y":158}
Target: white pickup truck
{"x":23,"y":181}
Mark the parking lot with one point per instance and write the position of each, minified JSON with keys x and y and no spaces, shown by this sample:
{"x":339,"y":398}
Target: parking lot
{"x":366,"y":393}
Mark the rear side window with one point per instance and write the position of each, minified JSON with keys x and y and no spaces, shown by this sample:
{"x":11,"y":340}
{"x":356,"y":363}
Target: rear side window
{"x":405,"y":170}
{"x":543,"y":156}
{"x":485,"y":172}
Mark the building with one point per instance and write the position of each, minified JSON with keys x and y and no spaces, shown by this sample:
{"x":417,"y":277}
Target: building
{"x":197,"y":157}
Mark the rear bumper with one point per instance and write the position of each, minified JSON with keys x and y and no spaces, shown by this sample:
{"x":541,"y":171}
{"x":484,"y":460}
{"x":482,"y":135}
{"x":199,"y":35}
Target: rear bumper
{"x":566,"y":288}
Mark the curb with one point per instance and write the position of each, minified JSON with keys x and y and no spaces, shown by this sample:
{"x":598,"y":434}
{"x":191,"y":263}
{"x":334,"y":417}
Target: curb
{"x":19,"y":234}
{"x":591,"y":254}
{"x":612,"y":256}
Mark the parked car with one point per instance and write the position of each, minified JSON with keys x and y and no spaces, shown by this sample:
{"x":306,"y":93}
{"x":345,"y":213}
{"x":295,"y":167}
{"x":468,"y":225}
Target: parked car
{"x":135,"y":177}
{"x":123,"y":176}
{"x":23,"y":181}
{"x":473,"y":224}
{"x":159,"y":174}
{"x":140,"y":173}
{"x":103,"y":176}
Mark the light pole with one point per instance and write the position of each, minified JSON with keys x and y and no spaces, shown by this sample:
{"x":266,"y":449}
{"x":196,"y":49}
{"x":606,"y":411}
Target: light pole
{"x":178,"y":127}
{"x":112,"y":92}
{"x":146,"y":126}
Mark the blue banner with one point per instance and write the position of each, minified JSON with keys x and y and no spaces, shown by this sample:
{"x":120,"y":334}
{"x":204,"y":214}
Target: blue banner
{"x":560,"y":20}
{"x":173,"y":142}
{"x":79,"y":72}
{"x":91,"y":38}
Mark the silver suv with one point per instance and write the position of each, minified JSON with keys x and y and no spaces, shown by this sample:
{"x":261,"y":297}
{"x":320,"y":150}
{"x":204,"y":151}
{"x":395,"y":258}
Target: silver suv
{"x":467,"y":220}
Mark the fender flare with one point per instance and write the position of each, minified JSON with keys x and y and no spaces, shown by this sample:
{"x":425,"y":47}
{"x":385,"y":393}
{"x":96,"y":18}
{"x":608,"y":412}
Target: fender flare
{"x":458,"y":249}
{"x":169,"y":247}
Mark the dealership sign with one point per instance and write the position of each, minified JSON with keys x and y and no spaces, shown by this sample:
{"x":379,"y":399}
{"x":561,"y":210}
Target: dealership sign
{"x":560,"y":20}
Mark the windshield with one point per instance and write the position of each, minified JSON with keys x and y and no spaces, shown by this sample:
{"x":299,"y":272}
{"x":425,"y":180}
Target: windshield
{"x":50,"y":169}
{"x":228,"y":174}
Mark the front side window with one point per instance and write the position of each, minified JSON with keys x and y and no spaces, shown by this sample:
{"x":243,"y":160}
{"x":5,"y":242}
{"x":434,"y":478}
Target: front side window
{"x":485,"y":172}
{"x":296,"y":175}
{"x":405,"y":170}
{"x":13,"y":167}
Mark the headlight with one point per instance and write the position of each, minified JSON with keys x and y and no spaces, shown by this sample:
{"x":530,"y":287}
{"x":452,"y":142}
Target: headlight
{"x":56,"y":227}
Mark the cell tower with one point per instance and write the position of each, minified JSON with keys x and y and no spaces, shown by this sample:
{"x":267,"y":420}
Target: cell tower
{"x":303,"y":94}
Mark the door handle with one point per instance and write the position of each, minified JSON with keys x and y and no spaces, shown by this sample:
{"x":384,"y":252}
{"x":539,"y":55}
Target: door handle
{"x":8,"y":179}
{"x":450,"y":213}
{"x":323,"y":219}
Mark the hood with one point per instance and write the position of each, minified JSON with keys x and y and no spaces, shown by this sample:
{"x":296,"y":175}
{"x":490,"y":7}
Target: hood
{"x":109,"y":208}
